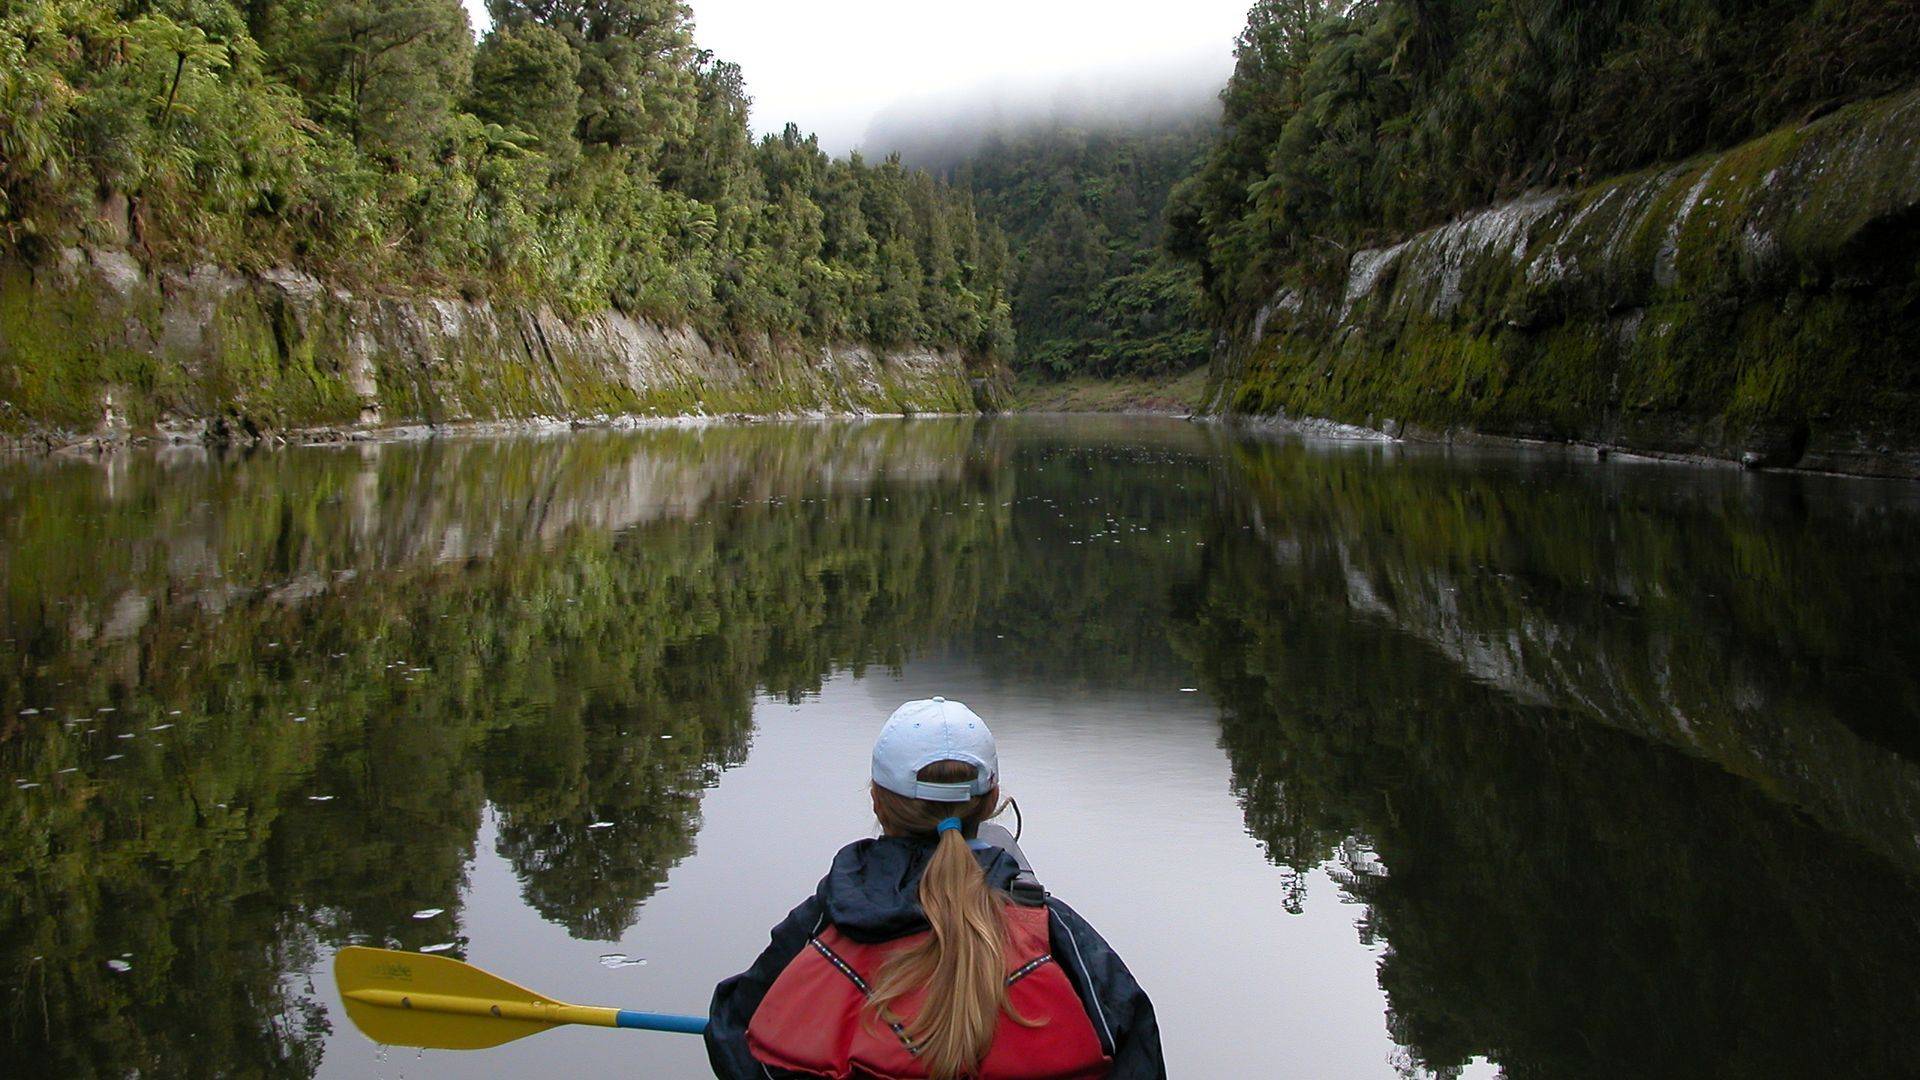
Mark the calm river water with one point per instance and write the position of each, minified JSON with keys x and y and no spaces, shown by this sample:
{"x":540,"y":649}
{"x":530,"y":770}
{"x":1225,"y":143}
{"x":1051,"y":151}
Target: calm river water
{"x":1369,"y":760}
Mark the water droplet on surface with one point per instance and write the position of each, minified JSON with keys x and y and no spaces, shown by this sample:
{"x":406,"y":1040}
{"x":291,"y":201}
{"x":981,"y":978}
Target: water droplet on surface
{"x":120,"y":966}
{"x":428,"y":913}
{"x":601,"y":825}
{"x":319,"y":798}
{"x":442,"y":947}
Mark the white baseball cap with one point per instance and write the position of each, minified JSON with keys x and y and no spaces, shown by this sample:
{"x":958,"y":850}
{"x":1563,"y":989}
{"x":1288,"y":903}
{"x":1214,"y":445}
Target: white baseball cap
{"x":920,"y":733}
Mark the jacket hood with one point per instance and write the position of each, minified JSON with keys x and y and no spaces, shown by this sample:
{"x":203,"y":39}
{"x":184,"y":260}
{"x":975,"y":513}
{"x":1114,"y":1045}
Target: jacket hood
{"x":872,"y":893}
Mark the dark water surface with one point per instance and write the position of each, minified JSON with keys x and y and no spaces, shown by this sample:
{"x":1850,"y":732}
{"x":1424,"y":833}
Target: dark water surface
{"x":1367,"y":759}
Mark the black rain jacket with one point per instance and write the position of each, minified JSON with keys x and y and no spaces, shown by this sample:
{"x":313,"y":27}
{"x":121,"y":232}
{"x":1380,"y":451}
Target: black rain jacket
{"x":872,"y":895}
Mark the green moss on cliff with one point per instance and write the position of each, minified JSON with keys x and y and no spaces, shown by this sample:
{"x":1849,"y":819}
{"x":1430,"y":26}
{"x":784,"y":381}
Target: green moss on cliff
{"x":262,"y":368}
{"x":54,"y":370}
{"x":253,"y":356}
{"x":1754,"y":302}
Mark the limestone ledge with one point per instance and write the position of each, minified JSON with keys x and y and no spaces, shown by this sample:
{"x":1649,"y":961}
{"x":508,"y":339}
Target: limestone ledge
{"x":98,"y":350}
{"x":1759,"y":305}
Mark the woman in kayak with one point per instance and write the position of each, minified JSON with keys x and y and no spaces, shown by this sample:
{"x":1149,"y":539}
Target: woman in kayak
{"x":912,"y":961}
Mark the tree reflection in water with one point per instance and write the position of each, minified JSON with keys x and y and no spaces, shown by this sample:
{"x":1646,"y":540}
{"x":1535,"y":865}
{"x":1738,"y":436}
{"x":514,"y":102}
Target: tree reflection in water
{"x":1618,"y":762}
{"x":1616,"y":812}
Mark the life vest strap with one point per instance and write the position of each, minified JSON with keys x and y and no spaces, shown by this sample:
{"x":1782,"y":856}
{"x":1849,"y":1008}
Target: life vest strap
{"x":1028,"y":968}
{"x":893,"y":1023}
{"x":845,"y":968}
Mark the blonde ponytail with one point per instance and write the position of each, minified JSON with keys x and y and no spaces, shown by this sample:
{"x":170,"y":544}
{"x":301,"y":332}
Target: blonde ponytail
{"x":962,"y":964}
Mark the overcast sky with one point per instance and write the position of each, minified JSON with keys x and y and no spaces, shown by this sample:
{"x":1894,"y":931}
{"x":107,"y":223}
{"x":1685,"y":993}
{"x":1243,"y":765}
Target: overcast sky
{"x":830,"y":65}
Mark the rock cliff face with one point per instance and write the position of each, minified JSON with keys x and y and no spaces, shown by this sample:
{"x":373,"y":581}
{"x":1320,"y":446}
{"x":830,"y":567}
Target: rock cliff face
{"x":1762,"y":304}
{"x":97,"y":347}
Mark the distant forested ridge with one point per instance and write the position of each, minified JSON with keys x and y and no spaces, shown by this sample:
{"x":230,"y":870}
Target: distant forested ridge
{"x":1083,"y":207}
{"x":1348,"y":124}
{"x":582,"y":154}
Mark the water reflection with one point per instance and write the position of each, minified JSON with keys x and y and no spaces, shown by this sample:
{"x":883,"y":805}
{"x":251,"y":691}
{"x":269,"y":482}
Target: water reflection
{"x":1616,"y":763}
{"x":1620,"y":762}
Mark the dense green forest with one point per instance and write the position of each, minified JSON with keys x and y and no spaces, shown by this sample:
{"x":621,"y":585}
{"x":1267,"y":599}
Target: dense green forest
{"x":590,"y":155}
{"x":586,"y":154}
{"x":1350,"y":123}
{"x":1094,"y":291}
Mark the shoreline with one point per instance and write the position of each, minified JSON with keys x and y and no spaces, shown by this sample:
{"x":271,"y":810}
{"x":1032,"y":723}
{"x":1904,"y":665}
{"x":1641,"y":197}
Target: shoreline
{"x":1595,"y":450}
{"x":204,"y":435}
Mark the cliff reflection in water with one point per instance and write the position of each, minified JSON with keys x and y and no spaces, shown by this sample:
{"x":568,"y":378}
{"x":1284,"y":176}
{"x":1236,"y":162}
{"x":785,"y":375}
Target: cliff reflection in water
{"x":274,"y":695}
{"x":1620,"y":762}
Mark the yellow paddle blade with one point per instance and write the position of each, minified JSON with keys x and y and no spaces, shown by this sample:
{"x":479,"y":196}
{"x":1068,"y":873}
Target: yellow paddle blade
{"x":413,"y":999}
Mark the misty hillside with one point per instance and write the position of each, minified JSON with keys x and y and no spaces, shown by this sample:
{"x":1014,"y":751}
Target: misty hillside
{"x":936,"y":132}
{"x":1093,"y":290}
{"x":1076,"y":172}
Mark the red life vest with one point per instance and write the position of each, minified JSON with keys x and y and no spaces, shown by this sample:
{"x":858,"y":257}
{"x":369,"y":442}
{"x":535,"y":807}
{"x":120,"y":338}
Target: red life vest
{"x":814,"y":1018}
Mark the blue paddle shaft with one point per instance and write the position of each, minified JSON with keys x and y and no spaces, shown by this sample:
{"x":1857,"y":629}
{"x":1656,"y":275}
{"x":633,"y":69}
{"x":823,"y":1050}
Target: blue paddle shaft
{"x":645,"y":1021}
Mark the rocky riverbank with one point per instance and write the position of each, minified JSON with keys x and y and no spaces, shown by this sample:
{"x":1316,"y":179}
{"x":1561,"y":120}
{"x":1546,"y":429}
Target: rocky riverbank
{"x":97,"y":349}
{"x":1760,"y":305}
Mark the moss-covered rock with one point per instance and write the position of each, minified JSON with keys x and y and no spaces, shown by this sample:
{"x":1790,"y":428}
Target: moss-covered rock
{"x":96,"y":346}
{"x":1761,"y":304}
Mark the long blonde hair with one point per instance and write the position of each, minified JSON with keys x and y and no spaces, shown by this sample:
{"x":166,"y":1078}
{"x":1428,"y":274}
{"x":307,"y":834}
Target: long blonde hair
{"x":962,"y":964}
